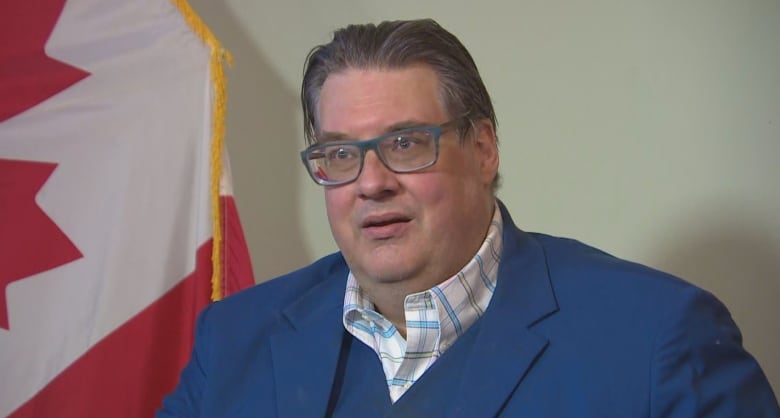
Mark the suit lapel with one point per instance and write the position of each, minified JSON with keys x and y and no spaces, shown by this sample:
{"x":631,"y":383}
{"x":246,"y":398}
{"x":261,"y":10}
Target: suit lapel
{"x":485,"y":366}
{"x":505,"y":346}
{"x":305,"y":357}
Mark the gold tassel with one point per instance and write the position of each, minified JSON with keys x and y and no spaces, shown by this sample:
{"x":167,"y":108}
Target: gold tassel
{"x":218,"y":57}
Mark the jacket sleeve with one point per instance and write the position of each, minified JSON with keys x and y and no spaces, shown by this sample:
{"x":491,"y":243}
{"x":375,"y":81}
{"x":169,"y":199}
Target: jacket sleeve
{"x":185,"y":400}
{"x":700,"y":368}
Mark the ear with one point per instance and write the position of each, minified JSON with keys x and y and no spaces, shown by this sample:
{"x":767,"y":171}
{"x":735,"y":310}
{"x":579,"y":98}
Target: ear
{"x":486,"y":150}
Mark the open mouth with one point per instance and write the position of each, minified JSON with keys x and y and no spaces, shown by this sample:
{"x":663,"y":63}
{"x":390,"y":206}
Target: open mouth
{"x":385,"y":226}
{"x":382,"y":220}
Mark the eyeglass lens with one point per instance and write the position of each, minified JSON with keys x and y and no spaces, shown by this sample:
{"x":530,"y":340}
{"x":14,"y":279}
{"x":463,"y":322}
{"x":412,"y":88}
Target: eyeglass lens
{"x":403,"y":151}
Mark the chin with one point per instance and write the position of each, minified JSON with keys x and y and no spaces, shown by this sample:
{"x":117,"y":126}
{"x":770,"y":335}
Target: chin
{"x":388,"y":272}
{"x":388,"y":275}
{"x":387,"y":264}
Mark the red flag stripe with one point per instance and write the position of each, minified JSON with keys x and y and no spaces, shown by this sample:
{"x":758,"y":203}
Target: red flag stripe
{"x":127,"y":373}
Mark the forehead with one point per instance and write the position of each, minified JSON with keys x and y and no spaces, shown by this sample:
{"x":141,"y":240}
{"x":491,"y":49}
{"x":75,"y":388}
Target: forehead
{"x":367,"y":101}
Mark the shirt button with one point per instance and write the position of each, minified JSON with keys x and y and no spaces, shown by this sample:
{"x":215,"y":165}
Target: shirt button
{"x":407,"y":385}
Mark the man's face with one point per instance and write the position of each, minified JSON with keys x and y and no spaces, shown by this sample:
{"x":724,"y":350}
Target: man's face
{"x":417,"y":228}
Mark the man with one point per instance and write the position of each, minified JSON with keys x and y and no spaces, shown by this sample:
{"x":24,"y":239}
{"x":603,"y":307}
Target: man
{"x":437,"y":305}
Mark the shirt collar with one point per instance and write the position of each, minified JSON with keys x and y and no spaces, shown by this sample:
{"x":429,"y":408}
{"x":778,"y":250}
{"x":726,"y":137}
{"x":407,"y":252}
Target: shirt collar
{"x":463,"y":298}
{"x":460,"y":300}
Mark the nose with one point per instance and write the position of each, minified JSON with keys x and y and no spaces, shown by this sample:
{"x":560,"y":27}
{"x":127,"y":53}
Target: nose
{"x":376,"y":180}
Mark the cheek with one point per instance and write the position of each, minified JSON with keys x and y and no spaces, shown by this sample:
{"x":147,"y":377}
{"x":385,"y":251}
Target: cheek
{"x":448,"y":185}
{"x":337,"y":207}
{"x":336,"y":197}
{"x":428,"y":190}
{"x":449,"y":197}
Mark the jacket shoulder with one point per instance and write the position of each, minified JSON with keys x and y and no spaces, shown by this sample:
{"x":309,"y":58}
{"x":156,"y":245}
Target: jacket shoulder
{"x":569,"y":260}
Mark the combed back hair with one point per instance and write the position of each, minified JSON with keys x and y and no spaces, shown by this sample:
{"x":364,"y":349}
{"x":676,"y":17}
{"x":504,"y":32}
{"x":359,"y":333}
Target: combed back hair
{"x":396,"y":45}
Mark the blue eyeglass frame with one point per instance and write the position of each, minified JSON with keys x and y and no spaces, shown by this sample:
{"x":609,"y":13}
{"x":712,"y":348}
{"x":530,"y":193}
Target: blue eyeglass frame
{"x":373,"y":144}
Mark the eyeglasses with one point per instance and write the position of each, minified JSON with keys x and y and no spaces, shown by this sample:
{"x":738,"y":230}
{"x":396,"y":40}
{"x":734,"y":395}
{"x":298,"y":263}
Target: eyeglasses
{"x":404,"y":151}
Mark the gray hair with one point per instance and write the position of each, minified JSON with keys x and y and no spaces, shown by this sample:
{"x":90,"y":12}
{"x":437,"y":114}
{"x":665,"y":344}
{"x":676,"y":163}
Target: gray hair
{"x":395,"y":45}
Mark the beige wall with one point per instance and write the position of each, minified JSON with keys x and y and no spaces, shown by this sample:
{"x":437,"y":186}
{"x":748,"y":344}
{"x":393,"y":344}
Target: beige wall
{"x":650,"y":129}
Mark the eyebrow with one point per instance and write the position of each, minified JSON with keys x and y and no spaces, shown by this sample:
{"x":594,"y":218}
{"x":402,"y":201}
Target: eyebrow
{"x":398,"y":126}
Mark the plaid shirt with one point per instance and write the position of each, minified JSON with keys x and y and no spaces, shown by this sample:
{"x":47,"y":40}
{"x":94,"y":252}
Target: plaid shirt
{"x":434,"y":318}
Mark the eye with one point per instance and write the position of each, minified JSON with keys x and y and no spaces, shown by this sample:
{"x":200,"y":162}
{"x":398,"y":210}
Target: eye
{"x":404,"y":142}
{"x":340,"y":154}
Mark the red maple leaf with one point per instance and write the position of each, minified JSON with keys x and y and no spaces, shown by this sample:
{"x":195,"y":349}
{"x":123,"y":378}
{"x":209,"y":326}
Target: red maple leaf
{"x":27,"y":75}
{"x":31,"y":242}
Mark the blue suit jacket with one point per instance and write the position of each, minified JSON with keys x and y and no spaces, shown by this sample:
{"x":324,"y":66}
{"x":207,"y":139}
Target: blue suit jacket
{"x":570,"y":332}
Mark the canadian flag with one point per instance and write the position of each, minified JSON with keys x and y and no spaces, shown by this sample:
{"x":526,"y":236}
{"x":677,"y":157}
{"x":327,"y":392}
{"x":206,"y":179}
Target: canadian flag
{"x":117,"y":223}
